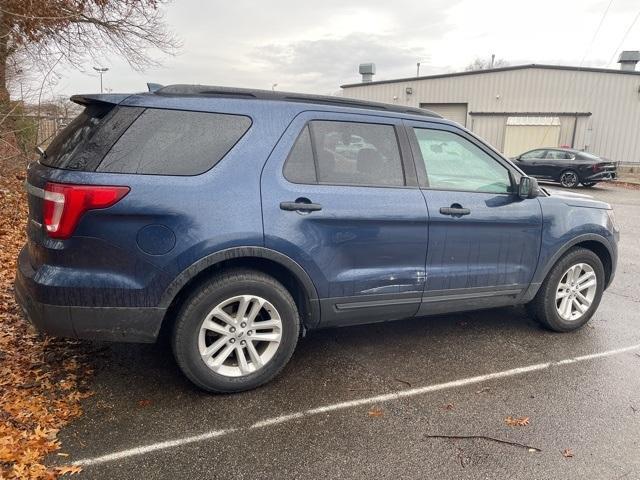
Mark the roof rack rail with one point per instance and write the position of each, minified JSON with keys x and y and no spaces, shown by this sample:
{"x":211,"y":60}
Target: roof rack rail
{"x":246,"y":93}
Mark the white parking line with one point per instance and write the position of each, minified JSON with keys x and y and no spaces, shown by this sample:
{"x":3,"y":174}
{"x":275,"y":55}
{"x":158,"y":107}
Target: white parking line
{"x":154,"y":447}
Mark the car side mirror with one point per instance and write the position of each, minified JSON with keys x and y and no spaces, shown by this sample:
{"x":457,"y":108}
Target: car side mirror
{"x":528,"y":187}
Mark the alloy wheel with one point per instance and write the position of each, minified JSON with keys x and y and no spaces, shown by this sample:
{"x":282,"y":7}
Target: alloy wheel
{"x":240,"y":335}
{"x":569,"y":179}
{"x":576,"y":291}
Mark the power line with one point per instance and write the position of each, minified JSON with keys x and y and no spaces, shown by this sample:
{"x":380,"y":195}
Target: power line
{"x":595,"y":34}
{"x":626,"y":34}
{"x":584,"y":57}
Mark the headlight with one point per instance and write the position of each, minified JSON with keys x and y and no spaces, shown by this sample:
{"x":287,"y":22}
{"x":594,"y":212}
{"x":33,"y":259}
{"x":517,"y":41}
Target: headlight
{"x":612,"y":219}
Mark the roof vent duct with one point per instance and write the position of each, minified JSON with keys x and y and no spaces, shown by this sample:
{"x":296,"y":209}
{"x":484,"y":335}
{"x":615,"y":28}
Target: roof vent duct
{"x":367,"y":70}
{"x":628,"y":60}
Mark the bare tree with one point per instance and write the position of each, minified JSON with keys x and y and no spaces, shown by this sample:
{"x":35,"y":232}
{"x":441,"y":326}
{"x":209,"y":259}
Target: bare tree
{"x":39,"y":34}
{"x":484,"y":64}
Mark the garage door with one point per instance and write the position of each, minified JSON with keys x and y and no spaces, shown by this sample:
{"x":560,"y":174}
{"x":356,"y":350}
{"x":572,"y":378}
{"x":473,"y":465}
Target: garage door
{"x":527,"y":133}
{"x":451,"y":111}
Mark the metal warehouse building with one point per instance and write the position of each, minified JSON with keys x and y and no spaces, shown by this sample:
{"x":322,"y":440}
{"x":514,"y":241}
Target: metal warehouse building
{"x":528,"y":106}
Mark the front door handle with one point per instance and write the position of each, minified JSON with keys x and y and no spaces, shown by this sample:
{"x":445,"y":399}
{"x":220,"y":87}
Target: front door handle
{"x":300,"y":205}
{"x":455,"y":210}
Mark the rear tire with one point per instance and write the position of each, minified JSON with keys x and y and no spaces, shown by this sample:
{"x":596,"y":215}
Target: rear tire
{"x":245,"y":316}
{"x":569,"y":179}
{"x":548,"y":308}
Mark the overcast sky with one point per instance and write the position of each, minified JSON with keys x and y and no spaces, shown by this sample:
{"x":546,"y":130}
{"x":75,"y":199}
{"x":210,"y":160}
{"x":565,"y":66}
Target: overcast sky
{"x":315,"y":46}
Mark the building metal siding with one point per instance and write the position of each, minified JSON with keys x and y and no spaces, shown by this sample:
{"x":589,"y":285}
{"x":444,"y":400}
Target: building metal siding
{"x":613,"y":99}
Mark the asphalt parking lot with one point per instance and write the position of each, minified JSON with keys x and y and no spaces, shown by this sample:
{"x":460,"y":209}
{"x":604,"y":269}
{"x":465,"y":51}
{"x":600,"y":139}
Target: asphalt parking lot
{"x":373,"y":401}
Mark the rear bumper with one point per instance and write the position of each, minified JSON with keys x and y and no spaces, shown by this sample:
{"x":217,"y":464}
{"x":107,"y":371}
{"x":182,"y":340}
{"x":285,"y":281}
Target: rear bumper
{"x":601,"y":177}
{"x":116,"y":324}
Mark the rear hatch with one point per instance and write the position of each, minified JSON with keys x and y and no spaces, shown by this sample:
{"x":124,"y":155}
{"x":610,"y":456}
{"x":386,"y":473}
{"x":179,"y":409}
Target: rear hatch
{"x":80,"y":147}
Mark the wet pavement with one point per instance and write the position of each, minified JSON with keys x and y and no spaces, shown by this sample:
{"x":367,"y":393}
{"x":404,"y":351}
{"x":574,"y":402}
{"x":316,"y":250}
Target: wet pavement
{"x":389,"y":390}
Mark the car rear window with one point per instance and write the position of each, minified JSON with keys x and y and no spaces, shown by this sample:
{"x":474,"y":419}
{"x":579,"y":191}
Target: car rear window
{"x":175,"y":142}
{"x":63,"y":147}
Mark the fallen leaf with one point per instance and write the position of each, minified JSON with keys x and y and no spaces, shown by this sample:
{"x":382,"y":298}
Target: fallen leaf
{"x":567,"y":453}
{"x":448,"y":406}
{"x":41,"y":378}
{"x":517,"y":421}
{"x":144,"y":403}
{"x":68,"y":469}
{"x":483,"y":389}
{"x":376,"y":412}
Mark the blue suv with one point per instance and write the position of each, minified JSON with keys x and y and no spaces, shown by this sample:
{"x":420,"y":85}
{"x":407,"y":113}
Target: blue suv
{"x":239,"y":219}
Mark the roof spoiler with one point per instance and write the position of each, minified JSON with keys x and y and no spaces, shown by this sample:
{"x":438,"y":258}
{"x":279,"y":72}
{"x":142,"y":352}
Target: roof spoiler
{"x":108,"y":98}
{"x":154,"y":87}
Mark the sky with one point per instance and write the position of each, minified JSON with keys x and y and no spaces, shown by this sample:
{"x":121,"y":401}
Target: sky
{"x":315,"y":46}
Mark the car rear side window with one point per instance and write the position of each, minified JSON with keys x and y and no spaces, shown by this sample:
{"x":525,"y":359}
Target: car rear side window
{"x":175,"y":142}
{"x":300,"y":167}
{"x":557,"y":155}
{"x":351,"y":153}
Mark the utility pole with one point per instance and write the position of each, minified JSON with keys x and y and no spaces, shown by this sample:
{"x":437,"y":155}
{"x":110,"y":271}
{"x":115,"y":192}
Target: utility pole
{"x":493,"y":59}
{"x":101,"y":71}
{"x":418,"y":69}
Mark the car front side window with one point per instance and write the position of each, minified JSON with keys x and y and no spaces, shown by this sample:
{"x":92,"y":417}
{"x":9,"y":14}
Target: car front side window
{"x":454,"y":163}
{"x":534,"y":154}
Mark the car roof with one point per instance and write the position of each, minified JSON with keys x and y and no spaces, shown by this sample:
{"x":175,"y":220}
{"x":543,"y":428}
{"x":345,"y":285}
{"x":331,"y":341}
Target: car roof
{"x":561,"y":149}
{"x":210,"y":91}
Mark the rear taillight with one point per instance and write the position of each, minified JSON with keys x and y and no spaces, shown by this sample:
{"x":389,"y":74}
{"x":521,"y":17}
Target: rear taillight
{"x":64,"y":204}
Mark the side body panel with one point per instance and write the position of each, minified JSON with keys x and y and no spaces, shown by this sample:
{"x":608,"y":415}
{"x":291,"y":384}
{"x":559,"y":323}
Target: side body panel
{"x":106,"y":263}
{"x":486,"y":257}
{"x":365,"y":250}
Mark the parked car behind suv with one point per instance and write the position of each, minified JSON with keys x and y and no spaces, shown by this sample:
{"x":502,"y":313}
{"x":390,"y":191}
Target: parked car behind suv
{"x":566,"y":166}
{"x":234,"y":220}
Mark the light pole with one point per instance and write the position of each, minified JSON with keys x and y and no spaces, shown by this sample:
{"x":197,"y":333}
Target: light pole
{"x":101,"y":71}
{"x":273,"y":87}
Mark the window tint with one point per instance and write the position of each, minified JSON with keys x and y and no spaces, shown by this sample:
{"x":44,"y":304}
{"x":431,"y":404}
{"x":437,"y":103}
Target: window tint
{"x":454,"y":163}
{"x":173,"y":142}
{"x":68,"y":144}
{"x":357,"y":153}
{"x":533,"y":154}
{"x":557,"y":155}
{"x":299,"y":167}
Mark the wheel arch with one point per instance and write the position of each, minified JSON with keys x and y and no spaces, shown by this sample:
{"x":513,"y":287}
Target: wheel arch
{"x":591,"y":241}
{"x":284,"y":269}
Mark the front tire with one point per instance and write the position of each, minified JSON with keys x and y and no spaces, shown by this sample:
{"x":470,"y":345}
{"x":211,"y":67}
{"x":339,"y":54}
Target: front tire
{"x":571,"y":293}
{"x":588,"y":184}
{"x":236,"y":331}
{"x":569,"y":179}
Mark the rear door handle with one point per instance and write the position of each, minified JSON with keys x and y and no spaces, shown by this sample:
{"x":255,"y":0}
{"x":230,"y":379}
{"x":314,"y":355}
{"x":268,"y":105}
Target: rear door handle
{"x":455,"y":210}
{"x":300,"y":206}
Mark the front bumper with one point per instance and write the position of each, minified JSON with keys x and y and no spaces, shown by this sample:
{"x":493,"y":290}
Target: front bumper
{"x":117,"y":324}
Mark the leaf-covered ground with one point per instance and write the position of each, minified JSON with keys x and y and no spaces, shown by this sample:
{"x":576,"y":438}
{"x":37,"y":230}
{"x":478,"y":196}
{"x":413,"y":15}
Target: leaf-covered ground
{"x":42,"y":380}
